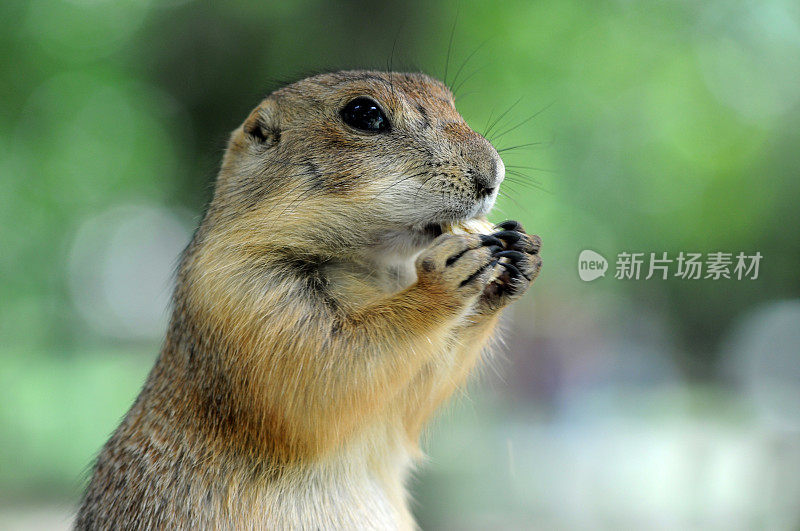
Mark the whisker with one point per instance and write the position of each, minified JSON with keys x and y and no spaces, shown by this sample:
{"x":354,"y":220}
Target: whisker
{"x":470,"y":76}
{"x":510,"y":198}
{"x":391,"y":62}
{"x":546,"y":170}
{"x":450,"y":46}
{"x":497,"y":121}
{"x":520,"y":146}
{"x":526,"y":120}
{"x":486,"y":127}
{"x":527,"y":185}
{"x":501,"y":210}
{"x":522,"y":175}
{"x":466,"y":61}
{"x":461,"y":97}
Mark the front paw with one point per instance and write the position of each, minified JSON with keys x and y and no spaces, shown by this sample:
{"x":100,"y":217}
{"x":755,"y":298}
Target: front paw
{"x":458,"y":267}
{"x":518,"y":265}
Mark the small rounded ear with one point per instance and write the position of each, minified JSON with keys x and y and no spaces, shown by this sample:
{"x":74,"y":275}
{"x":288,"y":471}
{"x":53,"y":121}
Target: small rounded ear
{"x":263,"y":125}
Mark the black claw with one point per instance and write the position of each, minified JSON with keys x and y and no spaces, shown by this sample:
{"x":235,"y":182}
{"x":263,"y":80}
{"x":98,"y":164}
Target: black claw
{"x":514,"y":270}
{"x":490,"y":240}
{"x":494,"y":249}
{"x":511,"y":225}
{"x":511,"y":255}
{"x":509,"y":236}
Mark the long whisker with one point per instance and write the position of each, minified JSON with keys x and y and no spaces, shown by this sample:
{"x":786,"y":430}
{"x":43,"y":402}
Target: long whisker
{"x":391,"y":61}
{"x":534,"y":168}
{"x":501,"y":210}
{"x":527,"y":184}
{"x":520,"y":146}
{"x":521,"y":177}
{"x":510,"y":198}
{"x":486,"y":127}
{"x":522,"y":174}
{"x":450,"y":46}
{"x":497,"y":121}
{"x":463,"y":81}
{"x":523,"y":122}
{"x":466,"y":61}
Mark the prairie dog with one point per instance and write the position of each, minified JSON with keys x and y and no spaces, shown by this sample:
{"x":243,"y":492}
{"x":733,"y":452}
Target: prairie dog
{"x":320,"y":315}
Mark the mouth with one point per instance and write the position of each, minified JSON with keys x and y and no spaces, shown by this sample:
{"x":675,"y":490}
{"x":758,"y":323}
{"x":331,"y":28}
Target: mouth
{"x":472,"y":221}
{"x":476,"y":225}
{"x":421,"y":235}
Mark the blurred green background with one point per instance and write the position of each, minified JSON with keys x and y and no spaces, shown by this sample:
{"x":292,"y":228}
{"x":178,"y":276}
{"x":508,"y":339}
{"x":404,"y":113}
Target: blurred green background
{"x":660,"y":126}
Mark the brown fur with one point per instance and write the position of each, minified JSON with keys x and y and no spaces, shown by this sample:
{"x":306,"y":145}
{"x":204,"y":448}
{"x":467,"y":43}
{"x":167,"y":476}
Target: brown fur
{"x":306,"y":349}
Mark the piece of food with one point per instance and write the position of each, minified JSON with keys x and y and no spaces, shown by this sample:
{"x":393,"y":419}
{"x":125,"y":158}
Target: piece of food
{"x":470,"y":226}
{"x":475,"y":226}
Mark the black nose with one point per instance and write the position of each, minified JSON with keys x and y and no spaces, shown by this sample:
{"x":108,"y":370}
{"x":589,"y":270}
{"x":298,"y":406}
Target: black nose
{"x":485,"y":184}
{"x":484,"y":190}
{"x":487,"y":176}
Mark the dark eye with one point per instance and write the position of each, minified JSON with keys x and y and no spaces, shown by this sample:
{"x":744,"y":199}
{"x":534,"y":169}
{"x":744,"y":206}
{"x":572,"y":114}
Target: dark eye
{"x":364,"y":114}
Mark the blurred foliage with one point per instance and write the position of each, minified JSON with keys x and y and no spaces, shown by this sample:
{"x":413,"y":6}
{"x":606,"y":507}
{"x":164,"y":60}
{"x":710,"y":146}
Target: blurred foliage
{"x":654,"y":126}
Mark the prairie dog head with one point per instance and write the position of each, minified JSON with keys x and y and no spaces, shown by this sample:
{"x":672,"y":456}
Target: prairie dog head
{"x":356,"y":158}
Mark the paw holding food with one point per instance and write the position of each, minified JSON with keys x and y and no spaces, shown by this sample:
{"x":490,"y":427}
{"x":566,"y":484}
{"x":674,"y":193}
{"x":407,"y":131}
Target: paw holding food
{"x":460,"y":265}
{"x":514,"y":262}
